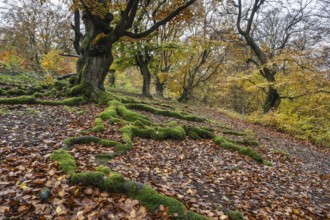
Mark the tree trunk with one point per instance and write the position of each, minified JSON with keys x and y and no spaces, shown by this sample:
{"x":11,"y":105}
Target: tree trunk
{"x":95,"y":58}
{"x":184,"y":96}
{"x":160,"y":87}
{"x":143,"y":63}
{"x":272,"y":100}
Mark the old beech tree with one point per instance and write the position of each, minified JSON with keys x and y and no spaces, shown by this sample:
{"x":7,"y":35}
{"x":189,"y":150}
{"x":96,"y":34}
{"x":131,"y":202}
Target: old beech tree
{"x":105,"y":23}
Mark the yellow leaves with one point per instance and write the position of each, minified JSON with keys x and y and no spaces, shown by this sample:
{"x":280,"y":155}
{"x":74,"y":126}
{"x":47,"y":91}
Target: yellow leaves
{"x":54,"y":63}
{"x":98,"y":38}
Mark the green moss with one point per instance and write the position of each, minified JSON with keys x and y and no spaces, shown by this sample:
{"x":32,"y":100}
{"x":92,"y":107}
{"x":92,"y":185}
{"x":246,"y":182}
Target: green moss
{"x":127,"y":134}
{"x":80,"y":89}
{"x":3,"y":111}
{"x":114,"y":183}
{"x":66,"y":161}
{"x":17,"y":92}
{"x":103,"y":169}
{"x":99,"y":125}
{"x":69,"y":101}
{"x":80,"y":140}
{"x":108,"y":143}
{"x":37,"y":95}
{"x":95,"y":178}
{"x":249,"y":142}
{"x":109,"y":112}
{"x":152,"y":200}
{"x":157,"y":133}
{"x":123,"y":148}
{"x":224,"y":143}
{"x":190,"y":215}
{"x":235,"y":215}
{"x":197,"y":133}
{"x":267,"y":163}
{"x":19,"y":100}
{"x":251,"y":153}
{"x":133,"y":116}
{"x":237,"y":133}
{"x":164,"y":112}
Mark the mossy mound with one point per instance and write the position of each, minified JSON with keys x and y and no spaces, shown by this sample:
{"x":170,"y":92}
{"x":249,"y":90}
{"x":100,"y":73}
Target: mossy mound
{"x":66,"y":161}
{"x":89,"y":139}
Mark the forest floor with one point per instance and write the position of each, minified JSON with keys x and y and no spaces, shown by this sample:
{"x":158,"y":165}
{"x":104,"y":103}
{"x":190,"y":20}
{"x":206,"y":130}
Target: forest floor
{"x":206,"y":178}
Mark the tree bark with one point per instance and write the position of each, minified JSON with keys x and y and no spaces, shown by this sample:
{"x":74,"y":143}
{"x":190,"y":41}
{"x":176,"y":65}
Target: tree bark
{"x":112,"y":78}
{"x":95,"y":58}
{"x":184,"y":95}
{"x":160,"y":87}
{"x":143,"y":62}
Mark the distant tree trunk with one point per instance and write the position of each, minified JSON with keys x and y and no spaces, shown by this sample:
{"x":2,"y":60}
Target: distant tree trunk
{"x":160,"y":87}
{"x":112,"y":78}
{"x":142,"y":61}
{"x":184,"y":96}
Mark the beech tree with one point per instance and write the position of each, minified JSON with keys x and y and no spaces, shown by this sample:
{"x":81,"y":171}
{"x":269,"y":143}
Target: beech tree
{"x":105,"y":23}
{"x":268,"y":30}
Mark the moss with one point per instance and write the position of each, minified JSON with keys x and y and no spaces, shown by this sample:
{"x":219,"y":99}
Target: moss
{"x":133,"y":116}
{"x":251,"y":153}
{"x":152,"y":200}
{"x":66,"y":161}
{"x":37,"y":95}
{"x":198,"y":132}
{"x":109,"y":112}
{"x":104,"y":158}
{"x":127,"y":134}
{"x":114,"y":183}
{"x":17,"y":92}
{"x":237,"y":133}
{"x":249,"y":142}
{"x":103,"y":169}
{"x":224,"y":143}
{"x":19,"y":100}
{"x":123,"y":148}
{"x":80,"y":140}
{"x":108,"y":143}
{"x":74,"y":101}
{"x":95,"y":178}
{"x":69,"y":101}
{"x":4,"y":111}
{"x":99,"y":125}
{"x":157,"y":133}
{"x":190,"y":215}
{"x":235,"y":215}
{"x":164,"y":112}
{"x":80,"y":89}
{"x":267,"y":163}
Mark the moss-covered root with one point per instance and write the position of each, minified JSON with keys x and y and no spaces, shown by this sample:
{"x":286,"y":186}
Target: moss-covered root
{"x":227,"y":144}
{"x":164,"y":112}
{"x":89,"y":139}
{"x":66,"y":161}
{"x":197,"y":133}
{"x":155,"y":133}
{"x":114,"y":182}
{"x":133,"y":116}
{"x":33,"y":100}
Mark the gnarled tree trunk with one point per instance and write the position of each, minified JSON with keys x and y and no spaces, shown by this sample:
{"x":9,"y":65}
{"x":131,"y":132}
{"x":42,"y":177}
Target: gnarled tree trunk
{"x":95,"y":57}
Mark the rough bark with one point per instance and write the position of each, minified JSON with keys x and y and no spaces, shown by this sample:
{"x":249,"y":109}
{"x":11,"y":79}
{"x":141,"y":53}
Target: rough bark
{"x":160,"y":87}
{"x":142,"y":61}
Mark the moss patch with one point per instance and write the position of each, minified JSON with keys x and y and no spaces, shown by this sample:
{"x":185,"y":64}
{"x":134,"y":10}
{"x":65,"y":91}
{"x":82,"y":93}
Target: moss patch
{"x":99,"y":125}
{"x":152,"y":199}
{"x":235,"y":215}
{"x":164,"y":112}
{"x":197,"y":133}
{"x":19,"y":100}
{"x":66,"y":161}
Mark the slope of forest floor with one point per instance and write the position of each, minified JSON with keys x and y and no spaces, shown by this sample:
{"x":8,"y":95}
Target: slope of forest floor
{"x":206,"y":178}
